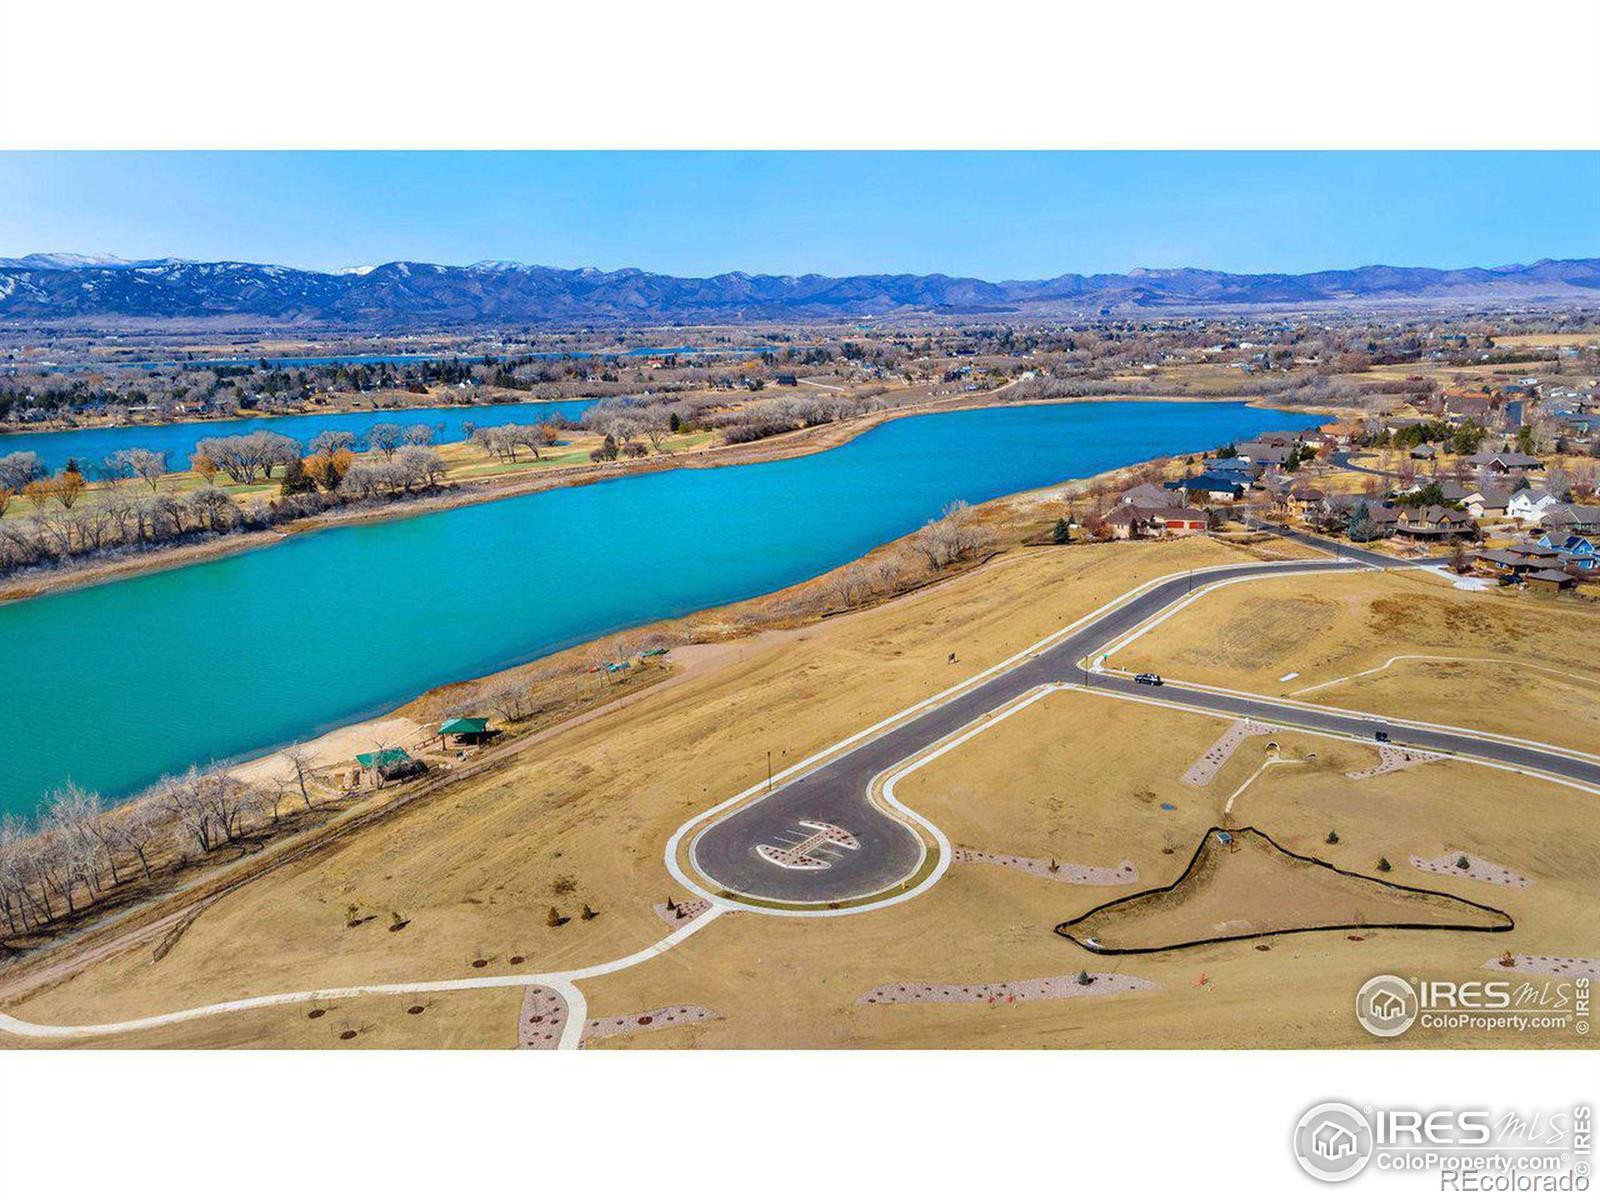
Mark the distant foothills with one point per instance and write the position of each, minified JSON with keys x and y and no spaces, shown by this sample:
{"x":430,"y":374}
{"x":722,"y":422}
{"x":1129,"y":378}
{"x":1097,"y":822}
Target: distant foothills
{"x":76,"y":289}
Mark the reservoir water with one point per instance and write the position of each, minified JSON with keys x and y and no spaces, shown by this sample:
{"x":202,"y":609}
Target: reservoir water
{"x":87,"y":447}
{"x":116,"y":684}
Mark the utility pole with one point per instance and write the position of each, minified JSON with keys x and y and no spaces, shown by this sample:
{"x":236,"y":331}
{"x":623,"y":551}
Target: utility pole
{"x":769,"y":770}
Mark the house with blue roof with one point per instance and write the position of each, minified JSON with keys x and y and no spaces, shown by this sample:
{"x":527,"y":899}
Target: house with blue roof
{"x":1575,"y":550}
{"x":1216,"y":487}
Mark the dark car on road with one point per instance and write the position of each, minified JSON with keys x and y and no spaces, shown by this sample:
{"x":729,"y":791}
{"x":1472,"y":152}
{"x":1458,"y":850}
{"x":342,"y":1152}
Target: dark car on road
{"x":1381,"y":735}
{"x":1152,"y":679}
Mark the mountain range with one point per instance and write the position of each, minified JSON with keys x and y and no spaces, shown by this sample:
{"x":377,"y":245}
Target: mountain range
{"x":102,"y":290}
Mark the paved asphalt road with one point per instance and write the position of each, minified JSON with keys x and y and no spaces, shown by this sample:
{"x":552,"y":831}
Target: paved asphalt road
{"x":1362,"y":555}
{"x":1342,"y":459}
{"x":836,"y":792}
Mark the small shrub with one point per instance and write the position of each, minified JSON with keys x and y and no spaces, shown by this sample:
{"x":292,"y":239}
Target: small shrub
{"x":1333,"y":837}
{"x":1383,"y":865}
{"x":1463,"y":864}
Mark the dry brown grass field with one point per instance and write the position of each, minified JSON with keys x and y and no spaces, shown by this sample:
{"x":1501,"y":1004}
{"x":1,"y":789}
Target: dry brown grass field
{"x":1241,"y":885}
{"x":1516,"y":664}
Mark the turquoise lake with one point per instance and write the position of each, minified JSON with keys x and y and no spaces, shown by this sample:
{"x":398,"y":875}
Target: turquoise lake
{"x":87,"y":447}
{"x":117,"y":684}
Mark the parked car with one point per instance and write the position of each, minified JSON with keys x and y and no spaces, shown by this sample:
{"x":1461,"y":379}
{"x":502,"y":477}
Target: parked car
{"x":1149,"y":677}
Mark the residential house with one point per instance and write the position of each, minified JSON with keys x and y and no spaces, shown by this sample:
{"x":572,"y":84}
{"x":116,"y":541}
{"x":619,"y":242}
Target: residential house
{"x":1465,"y":406}
{"x":1146,"y":495}
{"x":1571,"y":518}
{"x":1241,"y":468}
{"x":1264,"y":453}
{"x":1135,"y":521}
{"x":1574,"y":549}
{"x":1215,"y":487}
{"x":1486,"y":503}
{"x":1339,"y":513}
{"x":1529,"y":505}
{"x":1434,"y":521}
{"x":1549,"y":580}
{"x":1503,"y":462}
{"x":1305,"y":499}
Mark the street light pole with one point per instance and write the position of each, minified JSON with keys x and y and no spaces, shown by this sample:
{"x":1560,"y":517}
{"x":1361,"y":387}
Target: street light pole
{"x":769,"y":770}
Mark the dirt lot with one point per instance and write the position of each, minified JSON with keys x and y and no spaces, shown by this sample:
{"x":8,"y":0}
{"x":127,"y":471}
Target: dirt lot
{"x":1544,"y":682}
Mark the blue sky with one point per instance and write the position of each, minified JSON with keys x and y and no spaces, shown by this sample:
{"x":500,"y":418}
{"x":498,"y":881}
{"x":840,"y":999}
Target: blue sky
{"x":991,"y":214}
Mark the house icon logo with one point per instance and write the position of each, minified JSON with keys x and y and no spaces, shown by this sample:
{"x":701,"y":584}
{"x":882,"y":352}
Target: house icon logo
{"x":1386,"y":1006}
{"x":1333,"y":1141}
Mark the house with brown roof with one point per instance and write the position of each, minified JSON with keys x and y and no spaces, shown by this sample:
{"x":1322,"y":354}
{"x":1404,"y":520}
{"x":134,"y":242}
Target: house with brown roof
{"x":1304,"y":499}
{"x":1136,"y":521}
{"x":1549,"y":580}
{"x":1503,"y":462}
{"x":1468,"y":406}
{"x":1434,"y":521}
{"x":1487,"y":503}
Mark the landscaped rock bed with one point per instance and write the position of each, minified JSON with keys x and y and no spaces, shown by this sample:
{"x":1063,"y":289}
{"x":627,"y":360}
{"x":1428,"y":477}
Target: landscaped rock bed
{"x":683,"y":913}
{"x":543,"y":1017}
{"x":1213,"y":760}
{"x":1481,"y":869}
{"x":1391,"y":759}
{"x":656,"y":1018}
{"x":1061,"y":872}
{"x":1054,"y":987}
{"x":1548,"y":964}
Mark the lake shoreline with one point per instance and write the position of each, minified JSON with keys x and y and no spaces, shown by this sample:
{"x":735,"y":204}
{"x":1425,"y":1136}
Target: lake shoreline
{"x":29,"y":585}
{"x":255,"y":414}
{"x":712,"y":636}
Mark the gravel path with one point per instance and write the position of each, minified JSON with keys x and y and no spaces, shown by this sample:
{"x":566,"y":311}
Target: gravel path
{"x":1547,"y":964}
{"x":1392,"y":759}
{"x":543,"y":1017}
{"x":1054,"y":987}
{"x":1477,"y":868}
{"x":686,"y":911}
{"x":1213,"y":760}
{"x":1061,"y":873}
{"x":656,"y":1018}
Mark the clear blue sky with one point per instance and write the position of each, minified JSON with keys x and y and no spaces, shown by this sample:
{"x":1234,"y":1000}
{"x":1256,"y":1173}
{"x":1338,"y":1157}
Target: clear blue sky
{"x":990,"y":214}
